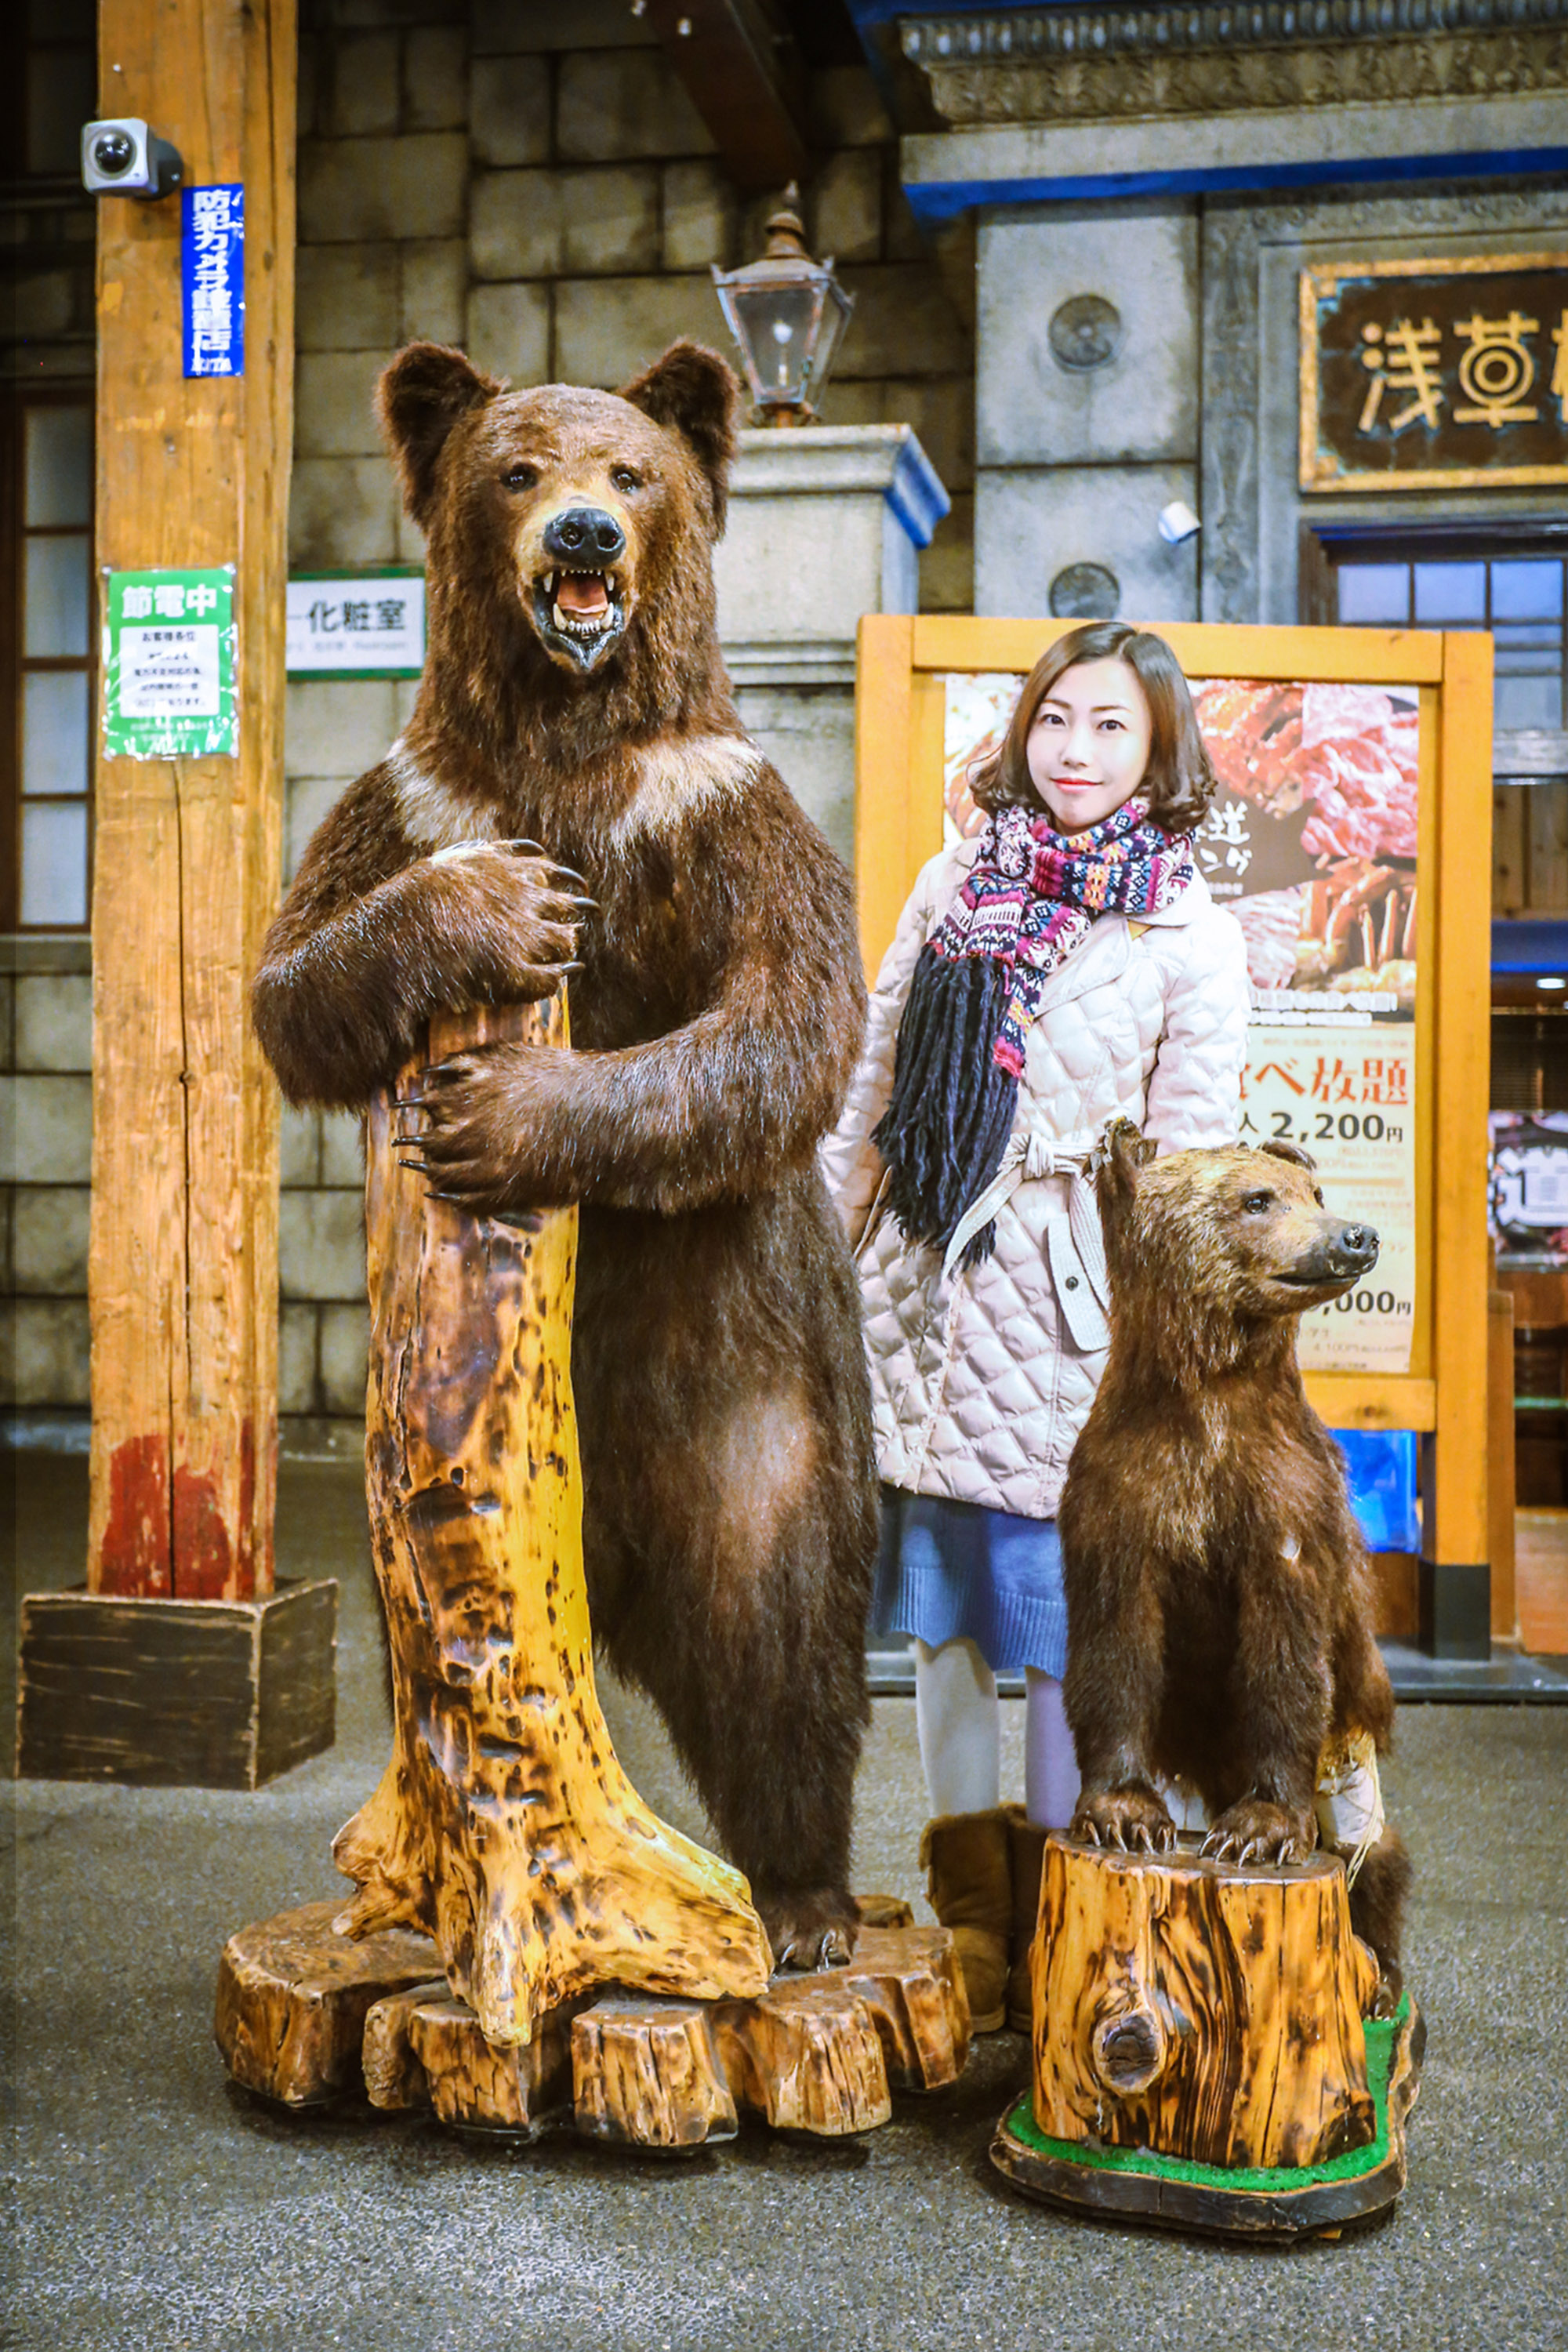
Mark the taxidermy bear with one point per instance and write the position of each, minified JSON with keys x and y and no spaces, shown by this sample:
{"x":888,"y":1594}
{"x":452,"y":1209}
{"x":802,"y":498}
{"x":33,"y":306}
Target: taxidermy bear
{"x":574,"y":792}
{"x":1219,"y":1624}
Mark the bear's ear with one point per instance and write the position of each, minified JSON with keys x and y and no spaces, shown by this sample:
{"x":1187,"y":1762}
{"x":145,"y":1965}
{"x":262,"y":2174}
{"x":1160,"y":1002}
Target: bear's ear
{"x":1291,"y":1151}
{"x":697,"y":394}
{"x":419,"y":399}
{"x":1123,"y":1152}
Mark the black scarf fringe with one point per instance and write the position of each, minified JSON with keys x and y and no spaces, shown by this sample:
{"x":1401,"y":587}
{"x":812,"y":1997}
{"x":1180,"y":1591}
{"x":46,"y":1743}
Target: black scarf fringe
{"x":946,"y":1126}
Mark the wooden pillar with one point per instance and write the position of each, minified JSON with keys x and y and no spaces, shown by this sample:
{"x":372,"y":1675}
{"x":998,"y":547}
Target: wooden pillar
{"x":180,"y":1664}
{"x":1455,"y":1577}
{"x":184,"y":1262}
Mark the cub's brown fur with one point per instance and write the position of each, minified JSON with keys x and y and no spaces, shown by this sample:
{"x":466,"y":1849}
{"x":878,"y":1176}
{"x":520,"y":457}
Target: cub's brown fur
{"x":1219,"y":1627}
{"x":574,"y":783}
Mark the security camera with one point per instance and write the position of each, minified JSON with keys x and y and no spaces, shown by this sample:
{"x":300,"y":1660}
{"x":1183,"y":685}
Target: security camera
{"x":123,"y":158}
{"x":1177,"y":523}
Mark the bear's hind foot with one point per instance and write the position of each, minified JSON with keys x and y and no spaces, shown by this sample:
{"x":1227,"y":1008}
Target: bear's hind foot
{"x":809,"y":1928}
{"x":1130,"y":1818}
{"x":1255,"y":1830}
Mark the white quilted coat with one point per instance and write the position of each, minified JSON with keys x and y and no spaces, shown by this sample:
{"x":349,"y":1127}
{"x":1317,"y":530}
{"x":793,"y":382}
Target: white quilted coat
{"x":982,"y":1378}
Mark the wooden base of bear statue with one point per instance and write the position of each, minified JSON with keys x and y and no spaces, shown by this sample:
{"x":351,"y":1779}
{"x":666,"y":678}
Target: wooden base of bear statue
{"x":306,"y":2015}
{"x":1203,"y":2058}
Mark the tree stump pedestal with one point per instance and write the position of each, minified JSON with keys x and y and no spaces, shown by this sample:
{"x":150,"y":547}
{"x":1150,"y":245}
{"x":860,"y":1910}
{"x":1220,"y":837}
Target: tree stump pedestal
{"x":1203,"y":2058}
{"x":306,"y":2014}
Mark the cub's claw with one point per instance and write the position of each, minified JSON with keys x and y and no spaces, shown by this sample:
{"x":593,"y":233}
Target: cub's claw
{"x":1128,"y":1820}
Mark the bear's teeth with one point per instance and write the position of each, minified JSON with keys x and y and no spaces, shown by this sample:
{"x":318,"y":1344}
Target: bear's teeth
{"x":549,"y":585}
{"x":561,"y":620}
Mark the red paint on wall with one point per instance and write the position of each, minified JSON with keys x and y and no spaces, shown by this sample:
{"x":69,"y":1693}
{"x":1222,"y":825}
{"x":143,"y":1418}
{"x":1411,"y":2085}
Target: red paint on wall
{"x":137,"y":1547}
{"x":203,"y":1547}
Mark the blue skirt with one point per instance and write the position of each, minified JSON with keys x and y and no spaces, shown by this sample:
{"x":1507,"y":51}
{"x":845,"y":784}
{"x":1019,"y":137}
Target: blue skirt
{"x":957,"y":1570}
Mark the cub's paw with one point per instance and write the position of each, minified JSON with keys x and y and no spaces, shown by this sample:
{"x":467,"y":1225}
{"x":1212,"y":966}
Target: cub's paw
{"x":811,"y":1928}
{"x":1390,"y":1990}
{"x":467,"y":1124}
{"x":1130,"y":1818}
{"x":1254,"y":1830}
{"x":509,"y":920}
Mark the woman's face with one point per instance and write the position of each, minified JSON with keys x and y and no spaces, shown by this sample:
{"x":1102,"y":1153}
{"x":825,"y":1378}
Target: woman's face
{"x":1089,"y":747}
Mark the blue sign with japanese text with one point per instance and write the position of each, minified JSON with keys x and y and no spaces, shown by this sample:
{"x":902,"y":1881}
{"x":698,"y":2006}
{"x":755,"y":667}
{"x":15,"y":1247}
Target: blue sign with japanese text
{"x":212,"y":275}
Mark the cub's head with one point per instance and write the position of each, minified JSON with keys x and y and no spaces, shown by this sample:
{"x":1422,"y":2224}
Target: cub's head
{"x":1233,"y":1234}
{"x":583,"y":517}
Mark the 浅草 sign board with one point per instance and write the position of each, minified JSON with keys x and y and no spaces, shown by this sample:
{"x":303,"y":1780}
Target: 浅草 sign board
{"x":1421,"y":373}
{"x":1352,"y":820}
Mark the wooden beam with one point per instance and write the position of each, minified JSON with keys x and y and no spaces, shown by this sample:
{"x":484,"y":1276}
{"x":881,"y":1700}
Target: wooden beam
{"x":183,"y":1274}
{"x":745,"y":75}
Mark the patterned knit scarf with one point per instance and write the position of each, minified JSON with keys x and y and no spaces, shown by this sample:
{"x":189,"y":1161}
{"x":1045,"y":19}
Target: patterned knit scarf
{"x":1031,"y":898}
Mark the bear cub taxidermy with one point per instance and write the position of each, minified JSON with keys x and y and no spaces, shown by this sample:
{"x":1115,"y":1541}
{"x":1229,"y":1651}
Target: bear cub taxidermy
{"x":1219,"y":1624}
{"x":575,"y":793}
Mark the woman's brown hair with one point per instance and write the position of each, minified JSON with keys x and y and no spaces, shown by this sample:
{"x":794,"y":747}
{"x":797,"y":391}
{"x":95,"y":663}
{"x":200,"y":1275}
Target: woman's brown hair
{"x":1178,"y":782}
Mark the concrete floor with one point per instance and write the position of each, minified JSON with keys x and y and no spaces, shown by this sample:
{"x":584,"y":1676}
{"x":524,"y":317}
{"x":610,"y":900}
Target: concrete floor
{"x":159,"y":2208}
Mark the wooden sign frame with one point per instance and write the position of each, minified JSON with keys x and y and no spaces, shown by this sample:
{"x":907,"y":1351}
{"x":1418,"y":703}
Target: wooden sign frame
{"x":899,"y":721}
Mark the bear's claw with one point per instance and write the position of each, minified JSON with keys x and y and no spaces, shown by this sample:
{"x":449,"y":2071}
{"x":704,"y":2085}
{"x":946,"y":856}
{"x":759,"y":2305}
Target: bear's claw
{"x":1128,"y":1820}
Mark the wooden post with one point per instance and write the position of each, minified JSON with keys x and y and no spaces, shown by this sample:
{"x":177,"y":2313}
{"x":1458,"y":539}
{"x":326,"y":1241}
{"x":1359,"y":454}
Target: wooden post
{"x":1455,"y":1596}
{"x":504,"y":1825}
{"x":179,"y":1663}
{"x":183,"y":1273}
{"x":1501,"y":1475}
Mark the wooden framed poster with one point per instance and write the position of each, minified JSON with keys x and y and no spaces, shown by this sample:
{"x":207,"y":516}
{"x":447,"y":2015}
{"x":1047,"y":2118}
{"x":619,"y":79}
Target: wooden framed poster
{"x":1351,"y":838}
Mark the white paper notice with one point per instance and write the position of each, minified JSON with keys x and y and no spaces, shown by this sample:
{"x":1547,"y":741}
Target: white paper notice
{"x":170,"y":673}
{"x":1345,"y":1096}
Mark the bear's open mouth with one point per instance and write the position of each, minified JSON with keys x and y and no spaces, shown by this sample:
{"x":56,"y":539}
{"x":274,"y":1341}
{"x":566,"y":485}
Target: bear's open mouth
{"x":579,"y":613}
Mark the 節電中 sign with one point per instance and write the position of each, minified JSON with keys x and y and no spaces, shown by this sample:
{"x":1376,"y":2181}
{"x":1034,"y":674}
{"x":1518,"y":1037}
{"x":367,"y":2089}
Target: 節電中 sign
{"x":169,"y":665}
{"x":370,"y":625}
{"x":212,"y":277}
{"x":1421,"y":372}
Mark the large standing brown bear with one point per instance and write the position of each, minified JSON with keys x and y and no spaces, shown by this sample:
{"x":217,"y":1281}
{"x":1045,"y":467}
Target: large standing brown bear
{"x":575,"y":697}
{"x":1219,"y":1621}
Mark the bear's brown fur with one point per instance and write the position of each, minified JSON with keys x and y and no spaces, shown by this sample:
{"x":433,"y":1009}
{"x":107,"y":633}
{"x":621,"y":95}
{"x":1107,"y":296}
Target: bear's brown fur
{"x":1219,"y":1625}
{"x":575,"y":727}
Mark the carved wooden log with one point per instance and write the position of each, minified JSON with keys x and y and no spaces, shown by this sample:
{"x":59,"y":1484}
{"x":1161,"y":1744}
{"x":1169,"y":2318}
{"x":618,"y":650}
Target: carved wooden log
{"x":292,"y":2000}
{"x":1200,"y":2010}
{"x":504,"y":1825}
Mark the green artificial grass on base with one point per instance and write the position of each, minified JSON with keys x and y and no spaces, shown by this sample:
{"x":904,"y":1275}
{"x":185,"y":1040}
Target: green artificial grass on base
{"x":1381,"y":2036}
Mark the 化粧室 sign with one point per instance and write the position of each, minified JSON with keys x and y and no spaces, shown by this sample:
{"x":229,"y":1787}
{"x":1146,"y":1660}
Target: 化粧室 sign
{"x":356,"y":625}
{"x":1416,"y":375}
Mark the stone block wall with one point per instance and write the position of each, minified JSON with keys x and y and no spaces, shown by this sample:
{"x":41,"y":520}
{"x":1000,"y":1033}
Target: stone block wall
{"x":531,"y":182}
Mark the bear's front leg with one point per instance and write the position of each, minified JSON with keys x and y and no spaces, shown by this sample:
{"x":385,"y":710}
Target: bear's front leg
{"x":1282,"y":1688}
{"x":1115,"y":1670}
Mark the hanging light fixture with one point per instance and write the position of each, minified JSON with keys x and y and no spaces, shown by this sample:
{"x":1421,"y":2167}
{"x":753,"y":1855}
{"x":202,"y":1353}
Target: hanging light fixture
{"x":787,"y":313}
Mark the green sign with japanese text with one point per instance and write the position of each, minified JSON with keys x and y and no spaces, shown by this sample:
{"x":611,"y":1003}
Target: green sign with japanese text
{"x":169,"y":686}
{"x":1416,"y":375}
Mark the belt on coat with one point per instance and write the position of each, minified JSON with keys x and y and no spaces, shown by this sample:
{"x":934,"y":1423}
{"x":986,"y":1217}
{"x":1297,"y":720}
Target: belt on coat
{"x":1075,"y":1243}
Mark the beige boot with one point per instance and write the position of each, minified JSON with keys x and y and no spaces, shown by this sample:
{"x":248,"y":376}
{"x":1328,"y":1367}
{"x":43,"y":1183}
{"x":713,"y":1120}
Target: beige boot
{"x":1026,"y":1854}
{"x":970,"y":1891}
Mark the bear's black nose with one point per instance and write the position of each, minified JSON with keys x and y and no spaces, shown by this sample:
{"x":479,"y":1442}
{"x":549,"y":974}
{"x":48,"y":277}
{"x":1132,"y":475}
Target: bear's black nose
{"x":584,"y":535}
{"x":1360,"y":1243}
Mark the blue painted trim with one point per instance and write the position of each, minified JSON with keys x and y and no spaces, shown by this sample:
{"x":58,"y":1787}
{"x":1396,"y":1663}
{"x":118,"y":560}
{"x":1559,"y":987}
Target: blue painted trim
{"x":1529,"y":944}
{"x":917,"y":495}
{"x":935,"y":200}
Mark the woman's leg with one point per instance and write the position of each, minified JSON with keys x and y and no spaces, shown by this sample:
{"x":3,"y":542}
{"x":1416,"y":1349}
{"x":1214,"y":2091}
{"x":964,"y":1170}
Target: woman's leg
{"x":956,"y":1717}
{"x":1050,"y":1765}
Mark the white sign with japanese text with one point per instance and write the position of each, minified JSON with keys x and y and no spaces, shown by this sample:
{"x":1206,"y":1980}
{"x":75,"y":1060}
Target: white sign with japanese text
{"x":367,"y":625}
{"x":1347,"y":1097}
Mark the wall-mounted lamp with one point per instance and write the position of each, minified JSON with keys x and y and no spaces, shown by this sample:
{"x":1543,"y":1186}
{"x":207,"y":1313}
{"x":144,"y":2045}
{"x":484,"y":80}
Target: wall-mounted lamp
{"x":1178,"y":522}
{"x":123,"y":158}
{"x":787,"y":313}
